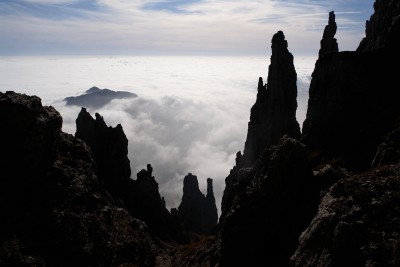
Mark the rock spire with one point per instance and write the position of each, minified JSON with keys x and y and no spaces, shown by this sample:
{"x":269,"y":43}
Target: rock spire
{"x":329,"y":43}
{"x":198,"y":212}
{"x":274,"y":113}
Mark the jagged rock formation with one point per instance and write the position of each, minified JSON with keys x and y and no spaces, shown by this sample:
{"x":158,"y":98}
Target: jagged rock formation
{"x":211,"y":211}
{"x":353,"y":99}
{"x":274,"y":113}
{"x":272,"y":116}
{"x":382,"y":30}
{"x":141,"y":196}
{"x":329,"y":43}
{"x":265,"y":220}
{"x":353,"y":107}
{"x":357,"y":223}
{"x":389,"y":150}
{"x":54,"y":210}
{"x":96,"y":97}
{"x":198,"y":212}
{"x":110,"y":151}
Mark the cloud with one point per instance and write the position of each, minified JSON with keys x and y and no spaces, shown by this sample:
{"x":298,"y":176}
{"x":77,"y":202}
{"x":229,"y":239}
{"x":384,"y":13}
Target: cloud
{"x":51,"y":2}
{"x":174,"y":27}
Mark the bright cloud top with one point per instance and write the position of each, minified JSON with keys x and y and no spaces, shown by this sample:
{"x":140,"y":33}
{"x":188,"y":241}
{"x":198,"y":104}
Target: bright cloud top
{"x":174,"y":27}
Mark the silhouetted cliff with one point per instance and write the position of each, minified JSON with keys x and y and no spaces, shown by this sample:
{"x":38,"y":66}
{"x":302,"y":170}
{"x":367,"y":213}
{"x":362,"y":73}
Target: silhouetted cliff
{"x":274,"y":113}
{"x":353,"y":100}
{"x":141,"y":196}
{"x":321,"y":203}
{"x":110,"y":151}
{"x":329,"y":43}
{"x":272,"y":116}
{"x":198,"y":212}
{"x":54,"y":211}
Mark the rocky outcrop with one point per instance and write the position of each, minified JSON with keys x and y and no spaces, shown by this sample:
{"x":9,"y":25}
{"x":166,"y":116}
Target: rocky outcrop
{"x":198,"y":212}
{"x":353,"y":100}
{"x":329,"y":43}
{"x":54,"y":210}
{"x":383,"y":28}
{"x":265,"y":220}
{"x":110,"y":151}
{"x":272,"y":116}
{"x":274,"y":113}
{"x":357,"y":223}
{"x":211,"y":211}
{"x":141,"y":196}
{"x":389,"y":150}
{"x":146,"y":204}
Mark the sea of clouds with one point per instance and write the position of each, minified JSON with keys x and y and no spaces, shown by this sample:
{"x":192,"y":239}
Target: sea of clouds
{"x":190,"y":115}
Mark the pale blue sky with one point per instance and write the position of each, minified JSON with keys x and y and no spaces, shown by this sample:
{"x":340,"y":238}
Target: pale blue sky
{"x":176,"y":27}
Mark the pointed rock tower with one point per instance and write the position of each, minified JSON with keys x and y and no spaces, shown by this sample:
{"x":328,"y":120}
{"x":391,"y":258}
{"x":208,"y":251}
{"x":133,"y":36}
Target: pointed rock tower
{"x":272,"y":116}
{"x":328,"y":42}
{"x":274,"y":113}
{"x":110,"y":151}
{"x":198,"y":212}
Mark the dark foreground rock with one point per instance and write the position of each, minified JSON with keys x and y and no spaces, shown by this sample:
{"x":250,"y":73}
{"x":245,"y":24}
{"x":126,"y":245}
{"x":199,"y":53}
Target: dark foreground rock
{"x":272,"y":116}
{"x":354,"y":100}
{"x":357,"y":223}
{"x":55,"y":213}
{"x":141,"y":196}
{"x":198,"y":212}
{"x":265,"y":220}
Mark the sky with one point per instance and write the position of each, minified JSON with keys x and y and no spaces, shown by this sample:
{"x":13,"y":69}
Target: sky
{"x":174,"y":27}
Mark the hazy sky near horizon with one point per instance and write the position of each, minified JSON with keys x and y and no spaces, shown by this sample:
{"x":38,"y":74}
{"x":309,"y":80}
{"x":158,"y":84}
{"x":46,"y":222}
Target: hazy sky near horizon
{"x":174,"y":27}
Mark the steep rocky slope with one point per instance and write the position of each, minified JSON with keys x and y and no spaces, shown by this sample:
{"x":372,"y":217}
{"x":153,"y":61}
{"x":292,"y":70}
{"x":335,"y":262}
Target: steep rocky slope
{"x":198,"y":212}
{"x":54,"y":210}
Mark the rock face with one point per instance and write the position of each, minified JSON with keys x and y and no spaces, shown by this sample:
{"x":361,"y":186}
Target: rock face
{"x":265,"y":220}
{"x":389,"y":150}
{"x":329,"y":43}
{"x":54,"y":210}
{"x":382,"y":30}
{"x":274,"y":113}
{"x":357,"y":223}
{"x":354,"y":99}
{"x":198,"y":212}
{"x":270,"y":207}
{"x":141,"y":196}
{"x":272,"y":116}
{"x":110,"y":151}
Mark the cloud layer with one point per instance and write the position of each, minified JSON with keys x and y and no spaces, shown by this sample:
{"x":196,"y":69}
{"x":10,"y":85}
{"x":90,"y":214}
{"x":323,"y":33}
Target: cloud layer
{"x":173,"y":27}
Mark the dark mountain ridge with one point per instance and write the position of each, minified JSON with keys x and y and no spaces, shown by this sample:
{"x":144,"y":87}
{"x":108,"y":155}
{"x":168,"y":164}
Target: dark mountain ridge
{"x":97,"y":98}
{"x":325,"y":197}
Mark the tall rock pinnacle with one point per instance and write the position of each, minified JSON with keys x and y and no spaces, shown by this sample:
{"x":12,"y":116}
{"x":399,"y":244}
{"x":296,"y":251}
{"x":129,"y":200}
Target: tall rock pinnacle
{"x":211,"y":212}
{"x":329,"y":43}
{"x":198,"y":213}
{"x":110,"y":151}
{"x":274,"y":113}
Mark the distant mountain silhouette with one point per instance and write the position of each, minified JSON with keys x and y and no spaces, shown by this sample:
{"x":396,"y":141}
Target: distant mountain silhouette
{"x":96,"y":97}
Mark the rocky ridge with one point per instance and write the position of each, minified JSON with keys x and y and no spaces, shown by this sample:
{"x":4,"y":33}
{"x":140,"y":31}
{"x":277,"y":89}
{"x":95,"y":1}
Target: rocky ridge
{"x":198,"y":212}
{"x":55,"y":211}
